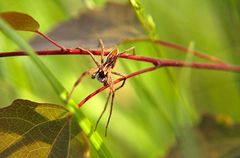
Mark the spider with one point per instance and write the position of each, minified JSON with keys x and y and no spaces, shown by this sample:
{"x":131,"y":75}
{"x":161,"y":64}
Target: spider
{"x":103,"y":73}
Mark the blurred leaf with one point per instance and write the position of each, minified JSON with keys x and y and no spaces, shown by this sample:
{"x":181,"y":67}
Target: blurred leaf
{"x":20,"y":21}
{"x":218,"y":135}
{"x":47,"y":13}
{"x":30,"y":129}
{"x":113,"y":30}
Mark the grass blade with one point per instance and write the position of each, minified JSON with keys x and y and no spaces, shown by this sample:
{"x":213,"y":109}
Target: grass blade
{"x":84,"y":123}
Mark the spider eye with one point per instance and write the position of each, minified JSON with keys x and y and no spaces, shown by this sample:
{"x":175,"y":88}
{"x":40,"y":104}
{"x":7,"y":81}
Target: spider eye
{"x":93,"y":76}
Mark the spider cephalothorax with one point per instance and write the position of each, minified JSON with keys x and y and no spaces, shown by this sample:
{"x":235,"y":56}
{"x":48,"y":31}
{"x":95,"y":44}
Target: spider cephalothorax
{"x":103,"y":73}
{"x":101,"y":76}
{"x":105,"y":68}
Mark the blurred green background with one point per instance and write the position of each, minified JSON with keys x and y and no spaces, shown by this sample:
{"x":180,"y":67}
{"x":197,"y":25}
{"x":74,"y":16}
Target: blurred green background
{"x":154,"y":110}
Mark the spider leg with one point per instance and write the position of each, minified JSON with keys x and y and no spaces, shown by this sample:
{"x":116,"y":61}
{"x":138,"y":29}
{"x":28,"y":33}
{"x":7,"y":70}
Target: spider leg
{"x":92,"y":56}
{"x":128,"y":50}
{"x":101,"y":45}
{"x":124,"y":80}
{"x":84,"y":74}
{"x":110,"y":114}
{"x":119,"y":53}
{"x":105,"y":107}
{"x":111,"y":86}
{"x":113,"y":95}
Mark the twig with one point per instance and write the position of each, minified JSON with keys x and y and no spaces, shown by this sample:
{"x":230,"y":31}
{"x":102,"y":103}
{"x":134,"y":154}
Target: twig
{"x":177,"y":47}
{"x":165,"y":63}
{"x":50,"y":40}
{"x":115,"y":82}
{"x":156,"y":61}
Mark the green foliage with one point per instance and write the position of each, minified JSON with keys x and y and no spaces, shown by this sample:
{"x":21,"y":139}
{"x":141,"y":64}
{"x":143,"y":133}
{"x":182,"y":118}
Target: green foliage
{"x":146,"y":20}
{"x":174,"y":100}
{"x":30,"y":129}
{"x":59,"y":89}
{"x":152,"y":109}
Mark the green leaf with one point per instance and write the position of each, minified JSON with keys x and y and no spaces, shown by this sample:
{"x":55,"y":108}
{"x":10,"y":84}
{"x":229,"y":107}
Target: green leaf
{"x":29,"y":129}
{"x":83,"y":122}
{"x":20,"y":21}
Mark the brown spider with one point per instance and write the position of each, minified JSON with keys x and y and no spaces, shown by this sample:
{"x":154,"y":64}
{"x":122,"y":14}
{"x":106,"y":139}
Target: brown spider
{"x":103,"y":73}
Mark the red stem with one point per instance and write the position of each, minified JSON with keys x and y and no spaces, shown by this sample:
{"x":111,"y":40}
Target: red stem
{"x":155,"y":61}
{"x":164,"y":63}
{"x":50,"y":40}
{"x":115,"y":82}
{"x":178,"y":47}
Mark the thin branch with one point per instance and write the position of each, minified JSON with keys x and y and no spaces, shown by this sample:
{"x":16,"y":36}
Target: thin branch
{"x":177,"y":47}
{"x":164,"y":63}
{"x":155,"y":61}
{"x":115,"y":82}
{"x":50,"y":40}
